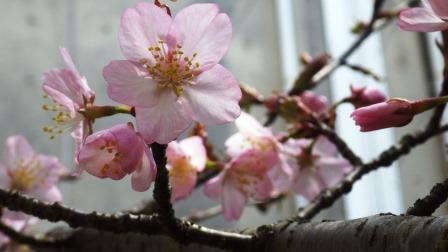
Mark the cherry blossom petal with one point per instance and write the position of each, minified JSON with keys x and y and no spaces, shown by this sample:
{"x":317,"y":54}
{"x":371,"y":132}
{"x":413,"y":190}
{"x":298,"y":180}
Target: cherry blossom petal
{"x":421,"y":20}
{"x":233,"y":201}
{"x":249,"y":126}
{"x":215,"y":97}
{"x":98,"y":162}
{"x":281,"y":175}
{"x":127,"y":83}
{"x":51,"y":194}
{"x":17,"y":148}
{"x":166,"y":121}
{"x":141,"y":27}
{"x":182,"y":184}
{"x":145,"y":174}
{"x":332,"y":169}
{"x":51,"y":170}
{"x":323,"y":147}
{"x":307,"y":184}
{"x":194,"y":148}
{"x":200,"y":29}
{"x":213,"y":187}
{"x":440,"y":7}
{"x":236,"y":144}
{"x":81,"y":88}
{"x":174,"y":152}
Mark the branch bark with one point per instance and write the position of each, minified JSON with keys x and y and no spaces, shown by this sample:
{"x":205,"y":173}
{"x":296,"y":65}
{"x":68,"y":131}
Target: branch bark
{"x":384,"y":232}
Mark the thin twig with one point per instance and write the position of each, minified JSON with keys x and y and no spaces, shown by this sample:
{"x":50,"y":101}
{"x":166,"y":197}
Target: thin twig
{"x":386,"y":158}
{"x":430,"y":203}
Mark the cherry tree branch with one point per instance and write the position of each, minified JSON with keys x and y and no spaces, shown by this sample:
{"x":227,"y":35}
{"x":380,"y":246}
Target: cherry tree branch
{"x":386,"y":158}
{"x":430,"y":203}
{"x":122,"y":223}
{"x":31,"y":240}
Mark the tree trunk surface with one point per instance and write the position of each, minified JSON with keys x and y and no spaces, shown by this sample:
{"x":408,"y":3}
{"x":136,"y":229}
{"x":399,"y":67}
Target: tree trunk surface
{"x":384,"y":232}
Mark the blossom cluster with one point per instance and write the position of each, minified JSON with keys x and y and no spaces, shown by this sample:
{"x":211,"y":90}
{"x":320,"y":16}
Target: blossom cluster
{"x":170,"y":80}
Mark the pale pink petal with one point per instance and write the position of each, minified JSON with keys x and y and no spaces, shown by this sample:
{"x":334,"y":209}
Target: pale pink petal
{"x":259,"y":186}
{"x":307,"y":184}
{"x":200,"y":29}
{"x":249,"y":126}
{"x":51,"y":194}
{"x":164,"y":122}
{"x":130,"y":145}
{"x":332,"y":169}
{"x":81,"y":87}
{"x":232,"y":201}
{"x":213,"y":187}
{"x":174,"y":152}
{"x":98,"y":162}
{"x":58,"y":95}
{"x":214,"y":97}
{"x":324,"y":147}
{"x":281,"y":175}
{"x":440,"y":7}
{"x":16,"y":148}
{"x":421,"y":20}
{"x":236,"y":144}
{"x":51,"y":170}
{"x":145,"y":174}
{"x":128,"y":84}
{"x":294,"y":147}
{"x":182,"y":184}
{"x":194,"y":148}
{"x":141,"y":27}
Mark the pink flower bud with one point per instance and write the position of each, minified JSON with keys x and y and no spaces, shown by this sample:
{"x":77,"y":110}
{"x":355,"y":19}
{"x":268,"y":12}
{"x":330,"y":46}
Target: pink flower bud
{"x":365,"y":96}
{"x":118,"y":151}
{"x":393,"y":113}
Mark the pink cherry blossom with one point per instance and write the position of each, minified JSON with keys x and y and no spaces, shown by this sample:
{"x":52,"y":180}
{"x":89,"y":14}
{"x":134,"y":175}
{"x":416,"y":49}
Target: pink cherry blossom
{"x":315,"y":102}
{"x":244,"y":177}
{"x":23,"y":170}
{"x":113,"y":153}
{"x":392,"y":113}
{"x":70,"y":94}
{"x":252,"y":135}
{"x":185,"y":159}
{"x":171,"y":75}
{"x":315,"y":165}
{"x":431,"y":17}
{"x":365,"y":96}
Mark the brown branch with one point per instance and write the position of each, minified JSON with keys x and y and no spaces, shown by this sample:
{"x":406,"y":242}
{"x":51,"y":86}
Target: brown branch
{"x":429,"y":204}
{"x":342,"y":147}
{"x":122,"y":223}
{"x":162,"y":193}
{"x":31,"y":240}
{"x":386,"y":158}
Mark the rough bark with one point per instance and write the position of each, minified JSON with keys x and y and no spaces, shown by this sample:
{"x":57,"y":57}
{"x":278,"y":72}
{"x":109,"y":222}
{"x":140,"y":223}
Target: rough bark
{"x":385,"y":232}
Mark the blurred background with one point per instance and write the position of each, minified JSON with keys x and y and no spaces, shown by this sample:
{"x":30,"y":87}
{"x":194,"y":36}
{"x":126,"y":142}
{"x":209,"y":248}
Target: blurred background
{"x":268,"y":37}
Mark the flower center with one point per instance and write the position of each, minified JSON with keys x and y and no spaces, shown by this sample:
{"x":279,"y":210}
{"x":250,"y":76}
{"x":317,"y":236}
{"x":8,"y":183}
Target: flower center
{"x":172,"y":69}
{"x":26,"y":175}
{"x":114,"y":158}
{"x":181,"y":168}
{"x":262,"y":144}
{"x":61,"y":119}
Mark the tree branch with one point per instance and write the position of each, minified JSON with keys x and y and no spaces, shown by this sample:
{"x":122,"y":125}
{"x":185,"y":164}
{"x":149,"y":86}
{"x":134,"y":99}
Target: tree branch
{"x":430,"y":203}
{"x":31,"y":240}
{"x":121,"y":223}
{"x":386,"y":158}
